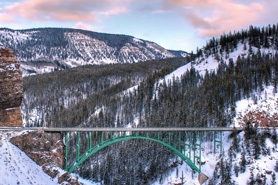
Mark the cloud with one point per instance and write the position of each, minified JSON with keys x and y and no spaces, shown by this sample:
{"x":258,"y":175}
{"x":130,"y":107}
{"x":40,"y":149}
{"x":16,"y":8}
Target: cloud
{"x":159,"y":11}
{"x":213,"y":17}
{"x":115,"y":11}
{"x":232,"y":16}
{"x":65,"y":10}
{"x":83,"y":26}
{"x":197,"y":21}
{"x":208,"y":17}
{"x":5,"y":18}
{"x":170,"y":4}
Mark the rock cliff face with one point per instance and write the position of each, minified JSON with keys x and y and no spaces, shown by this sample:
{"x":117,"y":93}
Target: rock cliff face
{"x":11,"y":90}
{"x":43,"y":148}
{"x":46,"y":149}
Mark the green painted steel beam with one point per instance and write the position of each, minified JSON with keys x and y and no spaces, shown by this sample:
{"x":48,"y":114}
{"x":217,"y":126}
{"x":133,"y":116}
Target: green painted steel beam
{"x":66,"y":150}
{"x":200,"y":149}
{"x":218,"y":141}
{"x":174,"y":135}
{"x":197,"y":145}
{"x":189,"y":145}
{"x":221,"y":145}
{"x":179,"y":141}
{"x":194,"y":146}
{"x":214,"y":142}
{"x":169,"y":137}
{"x":77,"y":146}
{"x":118,"y":139}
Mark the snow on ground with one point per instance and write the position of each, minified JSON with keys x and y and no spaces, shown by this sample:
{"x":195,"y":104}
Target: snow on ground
{"x":130,"y":90}
{"x":210,"y":64}
{"x":108,"y":61}
{"x":177,"y":73}
{"x":267,"y":101}
{"x":33,"y":117}
{"x":85,"y":181}
{"x":17,"y":168}
{"x":137,"y":40}
{"x":265,"y":164}
{"x":184,"y":171}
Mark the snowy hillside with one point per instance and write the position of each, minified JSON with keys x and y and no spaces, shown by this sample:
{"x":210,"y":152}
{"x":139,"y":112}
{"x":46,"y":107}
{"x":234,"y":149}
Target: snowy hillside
{"x":17,"y":167}
{"x":48,"y":49}
{"x":231,"y":81}
{"x":210,"y":63}
{"x":250,"y":157}
{"x":263,"y":167}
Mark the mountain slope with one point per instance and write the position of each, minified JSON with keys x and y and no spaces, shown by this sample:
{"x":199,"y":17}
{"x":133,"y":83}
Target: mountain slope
{"x":17,"y":167}
{"x":48,"y":49}
{"x":204,"y":93}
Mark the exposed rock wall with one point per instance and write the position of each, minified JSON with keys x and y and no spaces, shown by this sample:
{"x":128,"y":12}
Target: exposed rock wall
{"x":11,"y":90}
{"x":46,"y":149}
{"x":43,"y":148}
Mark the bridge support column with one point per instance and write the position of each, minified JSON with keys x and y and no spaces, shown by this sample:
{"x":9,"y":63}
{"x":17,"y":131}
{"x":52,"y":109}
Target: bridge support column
{"x":77,"y":147}
{"x":218,"y":141}
{"x":66,"y":150}
{"x":195,"y":145}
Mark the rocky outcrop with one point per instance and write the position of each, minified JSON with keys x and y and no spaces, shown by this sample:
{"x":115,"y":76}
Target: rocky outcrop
{"x":46,"y":149}
{"x":11,"y":90}
{"x":43,"y":148}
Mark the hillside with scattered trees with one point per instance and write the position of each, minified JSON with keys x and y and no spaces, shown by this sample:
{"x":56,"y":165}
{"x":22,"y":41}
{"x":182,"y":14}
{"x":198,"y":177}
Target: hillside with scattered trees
{"x":137,"y":95}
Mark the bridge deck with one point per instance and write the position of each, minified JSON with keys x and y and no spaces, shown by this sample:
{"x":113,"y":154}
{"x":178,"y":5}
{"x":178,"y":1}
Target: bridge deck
{"x":141,"y":129}
{"x":161,"y":129}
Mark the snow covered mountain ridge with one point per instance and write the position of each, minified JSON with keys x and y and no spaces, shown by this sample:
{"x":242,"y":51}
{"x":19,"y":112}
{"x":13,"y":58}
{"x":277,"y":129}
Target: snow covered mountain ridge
{"x":48,"y":49}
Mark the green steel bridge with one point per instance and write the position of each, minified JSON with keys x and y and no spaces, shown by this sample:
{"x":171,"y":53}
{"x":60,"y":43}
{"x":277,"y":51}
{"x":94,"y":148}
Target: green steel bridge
{"x":185,"y":142}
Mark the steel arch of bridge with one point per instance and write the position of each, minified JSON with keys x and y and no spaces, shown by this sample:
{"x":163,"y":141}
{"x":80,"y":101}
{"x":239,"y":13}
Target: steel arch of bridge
{"x":191,"y":143}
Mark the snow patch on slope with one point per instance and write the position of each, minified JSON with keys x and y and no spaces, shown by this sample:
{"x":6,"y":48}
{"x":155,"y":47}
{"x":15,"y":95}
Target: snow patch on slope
{"x":183,"y":171}
{"x":265,"y":101}
{"x":211,"y":63}
{"x":263,"y":165}
{"x":137,"y":40}
{"x":17,"y":167}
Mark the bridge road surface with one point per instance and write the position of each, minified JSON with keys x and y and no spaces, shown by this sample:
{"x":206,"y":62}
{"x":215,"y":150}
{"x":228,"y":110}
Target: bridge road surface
{"x":104,"y":129}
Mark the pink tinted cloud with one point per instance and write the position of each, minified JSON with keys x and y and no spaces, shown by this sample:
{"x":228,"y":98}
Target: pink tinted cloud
{"x":169,"y":4}
{"x":5,"y":18}
{"x":115,"y":11}
{"x":197,"y":21}
{"x":83,"y":26}
{"x":213,"y":17}
{"x":231,"y":16}
{"x":224,"y":15}
{"x":64,"y":10}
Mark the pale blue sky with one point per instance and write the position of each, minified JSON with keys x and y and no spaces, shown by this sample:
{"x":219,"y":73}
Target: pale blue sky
{"x":174,"y":24}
